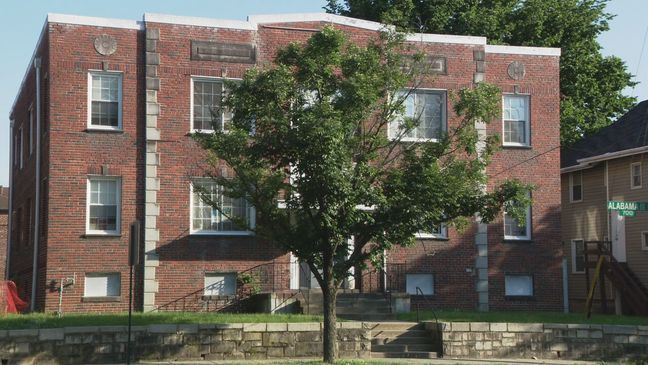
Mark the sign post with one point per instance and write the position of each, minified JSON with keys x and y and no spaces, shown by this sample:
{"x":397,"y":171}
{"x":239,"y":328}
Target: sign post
{"x":133,"y":259}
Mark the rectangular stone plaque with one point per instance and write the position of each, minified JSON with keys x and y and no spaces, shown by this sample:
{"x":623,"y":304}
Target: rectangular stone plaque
{"x":223,"y":52}
{"x":432,"y":64}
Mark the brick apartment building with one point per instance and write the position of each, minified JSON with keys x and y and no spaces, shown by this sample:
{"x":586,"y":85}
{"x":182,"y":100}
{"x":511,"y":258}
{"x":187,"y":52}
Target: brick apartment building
{"x":101,"y":137}
{"x":4,"y":220}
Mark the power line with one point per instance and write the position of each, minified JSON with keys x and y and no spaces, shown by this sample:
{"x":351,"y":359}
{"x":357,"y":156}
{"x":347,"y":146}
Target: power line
{"x":525,"y":161}
{"x":643,"y":46}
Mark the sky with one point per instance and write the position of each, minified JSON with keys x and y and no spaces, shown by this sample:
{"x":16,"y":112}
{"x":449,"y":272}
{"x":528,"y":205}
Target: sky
{"x":21,"y":23}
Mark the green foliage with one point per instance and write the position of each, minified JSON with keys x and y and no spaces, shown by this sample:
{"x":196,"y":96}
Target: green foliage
{"x":249,"y":281}
{"x":309,"y":135}
{"x":591,"y":84}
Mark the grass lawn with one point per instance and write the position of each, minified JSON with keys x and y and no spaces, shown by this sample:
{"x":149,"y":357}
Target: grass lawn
{"x":43,"y":320}
{"x":524,"y":317}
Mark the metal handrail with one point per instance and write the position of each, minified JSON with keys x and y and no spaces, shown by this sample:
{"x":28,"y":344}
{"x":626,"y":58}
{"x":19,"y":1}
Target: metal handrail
{"x":419,"y":290}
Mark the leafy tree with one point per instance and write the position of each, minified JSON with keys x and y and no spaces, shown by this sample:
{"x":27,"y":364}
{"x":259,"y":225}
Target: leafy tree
{"x":591,"y":85}
{"x":309,"y":148}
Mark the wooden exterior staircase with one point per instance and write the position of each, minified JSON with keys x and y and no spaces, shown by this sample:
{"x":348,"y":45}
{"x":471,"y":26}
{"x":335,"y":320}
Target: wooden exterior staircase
{"x":634,"y":294}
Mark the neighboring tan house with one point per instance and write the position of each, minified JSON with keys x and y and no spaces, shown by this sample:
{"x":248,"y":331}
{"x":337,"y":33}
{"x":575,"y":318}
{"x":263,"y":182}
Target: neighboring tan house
{"x":101,"y":137}
{"x":4,"y":218}
{"x":611,"y":165}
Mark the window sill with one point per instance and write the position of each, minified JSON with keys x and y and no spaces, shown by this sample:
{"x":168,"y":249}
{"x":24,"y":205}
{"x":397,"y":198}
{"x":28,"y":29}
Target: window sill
{"x":525,"y":298}
{"x":424,"y":296}
{"x":517,"y":146}
{"x":207,"y":298}
{"x":104,"y":130}
{"x":100,"y":299}
{"x":432,"y":238}
{"x":99,"y":235}
{"x":222,"y":234}
{"x":525,"y":240}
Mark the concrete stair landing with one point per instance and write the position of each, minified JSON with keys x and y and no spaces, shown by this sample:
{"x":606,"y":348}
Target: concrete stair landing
{"x":401,"y":340}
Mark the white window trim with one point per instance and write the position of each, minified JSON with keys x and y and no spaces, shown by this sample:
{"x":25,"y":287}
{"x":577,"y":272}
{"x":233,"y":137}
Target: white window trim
{"x":120,"y":102}
{"x":441,"y":235}
{"x":415,"y":292}
{"x":573,"y":255}
{"x":194,"y":232}
{"x":527,"y":130}
{"x":191,"y":98}
{"x":527,"y":236}
{"x":444,"y":117}
{"x":644,"y":240}
{"x":118,"y":194}
{"x":632,"y":165}
{"x":571,"y":187}
{"x":98,"y":274}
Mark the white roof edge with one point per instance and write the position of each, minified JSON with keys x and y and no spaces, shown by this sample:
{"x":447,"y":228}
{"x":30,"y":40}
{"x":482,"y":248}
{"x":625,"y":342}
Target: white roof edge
{"x":199,"y":21}
{"x":529,"y":51}
{"x":573,"y":168}
{"x":612,"y":155}
{"x":95,"y":21}
{"x":29,"y":66}
{"x":317,"y":17}
{"x":446,"y":38}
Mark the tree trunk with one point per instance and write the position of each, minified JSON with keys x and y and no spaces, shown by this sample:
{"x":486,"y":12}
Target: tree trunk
{"x":329,"y":292}
{"x":330,"y":319}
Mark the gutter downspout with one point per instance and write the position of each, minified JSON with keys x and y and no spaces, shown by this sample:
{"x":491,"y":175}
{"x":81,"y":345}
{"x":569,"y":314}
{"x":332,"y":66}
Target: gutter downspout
{"x":37,"y":66}
{"x":11,"y":190}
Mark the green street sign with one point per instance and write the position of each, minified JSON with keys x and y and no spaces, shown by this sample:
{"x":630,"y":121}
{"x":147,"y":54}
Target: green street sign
{"x":627,"y":206}
{"x":627,"y":213}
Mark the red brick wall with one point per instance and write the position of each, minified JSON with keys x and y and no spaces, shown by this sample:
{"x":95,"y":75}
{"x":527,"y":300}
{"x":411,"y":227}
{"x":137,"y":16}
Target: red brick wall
{"x":3,"y":243}
{"x":72,"y":153}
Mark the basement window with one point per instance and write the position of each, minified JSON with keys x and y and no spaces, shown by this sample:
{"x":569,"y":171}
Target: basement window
{"x":220,"y":284}
{"x":424,"y":282}
{"x":518,"y":285}
{"x":99,"y":285}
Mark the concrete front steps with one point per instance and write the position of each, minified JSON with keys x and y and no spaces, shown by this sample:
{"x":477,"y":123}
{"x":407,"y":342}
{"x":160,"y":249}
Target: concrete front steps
{"x":402,"y":340}
{"x":351,"y":305}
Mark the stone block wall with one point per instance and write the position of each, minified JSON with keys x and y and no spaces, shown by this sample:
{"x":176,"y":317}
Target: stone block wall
{"x":543,"y":341}
{"x":169,"y":342}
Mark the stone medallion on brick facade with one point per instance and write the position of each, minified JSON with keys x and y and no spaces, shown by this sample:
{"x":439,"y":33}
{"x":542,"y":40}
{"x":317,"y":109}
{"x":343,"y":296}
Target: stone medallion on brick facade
{"x":105,"y":45}
{"x":516,"y":70}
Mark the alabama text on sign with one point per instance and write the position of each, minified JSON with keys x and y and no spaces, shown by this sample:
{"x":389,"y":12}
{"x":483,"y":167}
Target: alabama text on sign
{"x":627,"y":209}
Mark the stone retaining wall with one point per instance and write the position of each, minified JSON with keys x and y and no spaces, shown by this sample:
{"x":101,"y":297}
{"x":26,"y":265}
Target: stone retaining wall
{"x":543,"y":341}
{"x":107,"y":344}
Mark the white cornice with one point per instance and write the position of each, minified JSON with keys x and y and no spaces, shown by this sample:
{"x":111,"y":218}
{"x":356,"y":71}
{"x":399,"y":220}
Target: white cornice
{"x":198,"y":21}
{"x":446,"y":38}
{"x":316,"y":17}
{"x":95,"y":21}
{"x":529,"y":51}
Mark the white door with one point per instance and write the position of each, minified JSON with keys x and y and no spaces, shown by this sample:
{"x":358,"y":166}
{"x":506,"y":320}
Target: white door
{"x":294,"y":272}
{"x":618,"y":236}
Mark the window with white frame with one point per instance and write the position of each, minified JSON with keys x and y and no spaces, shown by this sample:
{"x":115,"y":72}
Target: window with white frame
{"x":105,"y":100}
{"x":578,"y":256}
{"x":438,"y":231}
{"x":426,"y":109}
{"x":208,"y":220}
{"x":424,"y":282}
{"x":207,"y":112}
{"x":635,"y":175}
{"x":518,"y":285}
{"x":220,"y":284}
{"x":517,"y":229}
{"x":102,"y":285}
{"x":15,"y":151}
{"x":644,"y":240}
{"x":516,"y":120}
{"x":576,"y":186}
{"x":104,"y":205}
